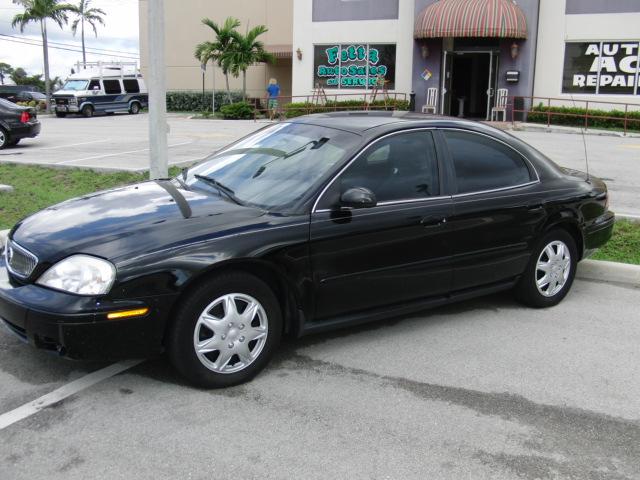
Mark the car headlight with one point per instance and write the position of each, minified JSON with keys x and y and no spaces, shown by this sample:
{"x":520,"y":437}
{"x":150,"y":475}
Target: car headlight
{"x":80,"y":274}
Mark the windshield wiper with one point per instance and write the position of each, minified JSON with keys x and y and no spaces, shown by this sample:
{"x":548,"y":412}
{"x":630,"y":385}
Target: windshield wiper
{"x":316,"y":145}
{"x":220,"y":187}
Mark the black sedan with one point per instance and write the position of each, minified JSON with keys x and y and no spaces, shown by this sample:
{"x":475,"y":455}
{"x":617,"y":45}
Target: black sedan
{"x":322,"y":222}
{"x":16,"y":123}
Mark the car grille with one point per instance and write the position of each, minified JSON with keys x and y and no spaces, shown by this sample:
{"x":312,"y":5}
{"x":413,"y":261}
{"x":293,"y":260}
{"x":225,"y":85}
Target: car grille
{"x":62,"y":100}
{"x":20,"y":261}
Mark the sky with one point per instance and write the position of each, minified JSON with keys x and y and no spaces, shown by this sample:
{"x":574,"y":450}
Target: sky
{"x":119,"y":34}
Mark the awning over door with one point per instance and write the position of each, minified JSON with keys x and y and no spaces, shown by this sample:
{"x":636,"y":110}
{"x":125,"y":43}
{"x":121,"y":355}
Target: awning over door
{"x":471,"y":18}
{"x":280,"y":51}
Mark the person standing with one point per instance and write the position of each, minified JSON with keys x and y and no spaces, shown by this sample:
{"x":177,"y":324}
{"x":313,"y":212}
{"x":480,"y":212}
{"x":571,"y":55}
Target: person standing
{"x":273,"y":89}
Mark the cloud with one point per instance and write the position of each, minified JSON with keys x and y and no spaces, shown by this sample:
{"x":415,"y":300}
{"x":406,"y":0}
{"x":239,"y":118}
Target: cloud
{"x":119,"y":33}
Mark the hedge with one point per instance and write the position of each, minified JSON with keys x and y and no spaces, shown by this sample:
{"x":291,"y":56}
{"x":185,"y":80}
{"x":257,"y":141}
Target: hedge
{"x":539,"y":115}
{"x":296,"y":109}
{"x":237,"y":111}
{"x":192,"y":101}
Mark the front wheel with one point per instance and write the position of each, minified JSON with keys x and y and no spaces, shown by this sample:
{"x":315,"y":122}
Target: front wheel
{"x":61,"y":114}
{"x":225,"y":331}
{"x":87,"y":111}
{"x":550,"y":272}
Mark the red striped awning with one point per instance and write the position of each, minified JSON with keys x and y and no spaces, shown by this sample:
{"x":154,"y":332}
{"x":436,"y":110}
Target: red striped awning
{"x":471,"y":18}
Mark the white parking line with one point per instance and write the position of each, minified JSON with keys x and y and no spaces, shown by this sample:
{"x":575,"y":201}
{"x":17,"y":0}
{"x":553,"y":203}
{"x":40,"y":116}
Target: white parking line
{"x":63,"y":392}
{"x":116,"y":154}
{"x":69,"y":145}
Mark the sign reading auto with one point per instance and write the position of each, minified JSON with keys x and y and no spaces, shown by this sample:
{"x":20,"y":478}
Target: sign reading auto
{"x":354,"y":66}
{"x":601,"y":68}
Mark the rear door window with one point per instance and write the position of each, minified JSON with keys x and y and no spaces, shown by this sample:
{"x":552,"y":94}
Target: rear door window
{"x":94,"y":84}
{"x":112,"y":86}
{"x":482,"y":163}
{"x":131,"y":85}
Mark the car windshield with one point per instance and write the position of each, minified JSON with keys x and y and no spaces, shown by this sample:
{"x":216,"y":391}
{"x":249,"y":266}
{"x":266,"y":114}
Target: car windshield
{"x":38,"y":96}
{"x":275,"y":167}
{"x":75,"y":85}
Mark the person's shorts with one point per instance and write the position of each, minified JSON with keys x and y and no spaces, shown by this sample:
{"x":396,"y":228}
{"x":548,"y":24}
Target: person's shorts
{"x":273,"y":104}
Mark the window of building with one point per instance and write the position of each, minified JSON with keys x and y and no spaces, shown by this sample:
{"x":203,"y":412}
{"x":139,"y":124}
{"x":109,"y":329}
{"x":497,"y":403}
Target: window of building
{"x":352,"y":66}
{"x":605,"y":68}
{"x":344,"y":10}
{"x":131,"y":85}
{"x":399,"y":167}
{"x":483,"y":164}
{"x":111,"y":86}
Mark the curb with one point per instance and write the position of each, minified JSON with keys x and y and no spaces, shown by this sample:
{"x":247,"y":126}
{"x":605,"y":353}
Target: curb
{"x":3,"y":238}
{"x":628,"y":217}
{"x":612,"y":272}
{"x":533,"y":127}
{"x":6,"y":188}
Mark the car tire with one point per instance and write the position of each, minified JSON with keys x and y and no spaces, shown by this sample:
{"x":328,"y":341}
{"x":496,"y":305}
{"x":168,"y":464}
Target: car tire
{"x":550,"y":272}
{"x":87,"y":111}
{"x":134,"y":109}
{"x":4,"y":138}
{"x":231,"y":308}
{"x":61,"y":114}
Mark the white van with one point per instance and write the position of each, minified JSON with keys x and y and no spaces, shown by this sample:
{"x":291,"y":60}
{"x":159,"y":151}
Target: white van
{"x":102,"y":87}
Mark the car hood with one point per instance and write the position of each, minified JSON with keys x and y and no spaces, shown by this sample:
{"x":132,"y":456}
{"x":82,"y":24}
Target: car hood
{"x":119,"y":223}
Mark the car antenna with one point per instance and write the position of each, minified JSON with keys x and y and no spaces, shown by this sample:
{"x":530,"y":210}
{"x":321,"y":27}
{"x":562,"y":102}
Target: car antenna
{"x":584,"y":142}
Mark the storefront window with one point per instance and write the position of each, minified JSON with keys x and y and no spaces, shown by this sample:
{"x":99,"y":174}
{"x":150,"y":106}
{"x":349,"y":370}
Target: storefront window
{"x":354,"y":66}
{"x":605,"y":68}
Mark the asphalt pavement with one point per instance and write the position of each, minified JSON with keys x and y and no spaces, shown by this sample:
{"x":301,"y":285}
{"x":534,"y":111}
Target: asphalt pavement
{"x":485,"y":389}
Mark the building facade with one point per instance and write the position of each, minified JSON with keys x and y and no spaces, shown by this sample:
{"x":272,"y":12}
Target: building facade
{"x":457,"y":53}
{"x":184,"y":30}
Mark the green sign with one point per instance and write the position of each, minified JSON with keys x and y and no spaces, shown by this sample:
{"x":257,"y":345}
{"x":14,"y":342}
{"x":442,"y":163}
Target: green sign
{"x":354,"y":66}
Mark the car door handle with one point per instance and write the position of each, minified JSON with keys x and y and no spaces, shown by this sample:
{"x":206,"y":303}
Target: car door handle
{"x":536,"y":207}
{"x":431,"y":222}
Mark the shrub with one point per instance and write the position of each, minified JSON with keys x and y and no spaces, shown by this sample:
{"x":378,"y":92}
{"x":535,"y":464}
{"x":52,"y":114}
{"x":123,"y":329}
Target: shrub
{"x":616,"y":120}
{"x":296,"y":109}
{"x":192,"y":101}
{"x":237,"y":111}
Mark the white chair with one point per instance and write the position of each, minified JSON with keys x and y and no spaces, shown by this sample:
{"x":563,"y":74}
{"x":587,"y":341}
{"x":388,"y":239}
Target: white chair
{"x":501,"y":104}
{"x":432,"y":101}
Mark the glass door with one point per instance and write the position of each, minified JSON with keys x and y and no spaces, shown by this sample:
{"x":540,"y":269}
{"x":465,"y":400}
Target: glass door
{"x":445,"y":88}
{"x":493,"y":81}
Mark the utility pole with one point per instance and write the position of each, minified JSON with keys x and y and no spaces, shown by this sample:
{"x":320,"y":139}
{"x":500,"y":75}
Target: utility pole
{"x":213,"y":96}
{"x":158,"y":128}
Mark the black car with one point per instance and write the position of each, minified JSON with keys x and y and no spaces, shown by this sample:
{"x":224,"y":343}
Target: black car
{"x":321,"y":222}
{"x":16,"y":123}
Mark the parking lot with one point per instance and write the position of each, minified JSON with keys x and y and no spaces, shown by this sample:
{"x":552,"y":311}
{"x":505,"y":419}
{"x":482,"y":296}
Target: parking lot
{"x":121,"y":142}
{"x":483,"y":389}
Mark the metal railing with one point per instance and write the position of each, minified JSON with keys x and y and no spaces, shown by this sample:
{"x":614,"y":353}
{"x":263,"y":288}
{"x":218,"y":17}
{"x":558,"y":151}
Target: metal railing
{"x":545,"y":110}
{"x":295,"y":105}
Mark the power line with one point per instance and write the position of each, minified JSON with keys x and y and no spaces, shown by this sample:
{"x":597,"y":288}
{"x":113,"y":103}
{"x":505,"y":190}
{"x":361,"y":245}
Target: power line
{"x":67,"y":44}
{"x":69,"y":49}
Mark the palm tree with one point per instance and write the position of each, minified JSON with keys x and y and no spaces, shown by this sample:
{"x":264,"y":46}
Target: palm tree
{"x":38,"y":11}
{"x":220,"y":49}
{"x":247,"y":50}
{"x":89,"y":15}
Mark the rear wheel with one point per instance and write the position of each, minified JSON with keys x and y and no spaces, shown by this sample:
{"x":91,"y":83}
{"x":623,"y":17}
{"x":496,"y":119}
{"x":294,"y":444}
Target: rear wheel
{"x":134,"y":109}
{"x":225,"y":331}
{"x":61,"y":114}
{"x":4,"y":138}
{"x":87,"y":111}
{"x":551,"y":270}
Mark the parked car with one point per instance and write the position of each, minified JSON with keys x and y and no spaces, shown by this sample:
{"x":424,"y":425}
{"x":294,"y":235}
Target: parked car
{"x":102,"y":88}
{"x":16,"y":123}
{"x":10,"y":92}
{"x":322,"y":222}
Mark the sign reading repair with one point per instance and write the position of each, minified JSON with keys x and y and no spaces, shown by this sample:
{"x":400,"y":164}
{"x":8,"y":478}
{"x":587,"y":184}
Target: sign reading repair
{"x":606,"y":68}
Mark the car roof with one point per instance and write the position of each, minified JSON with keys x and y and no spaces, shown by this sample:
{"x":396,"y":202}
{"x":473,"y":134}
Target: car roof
{"x":362,"y":121}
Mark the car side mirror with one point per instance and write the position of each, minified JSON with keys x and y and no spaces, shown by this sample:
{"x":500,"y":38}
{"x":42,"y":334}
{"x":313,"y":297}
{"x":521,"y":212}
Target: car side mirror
{"x":358,"y":197}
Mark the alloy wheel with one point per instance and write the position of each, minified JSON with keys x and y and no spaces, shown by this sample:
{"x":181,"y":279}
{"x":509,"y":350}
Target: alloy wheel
{"x":230,"y":333}
{"x":553,"y":268}
{"x":3,"y":138}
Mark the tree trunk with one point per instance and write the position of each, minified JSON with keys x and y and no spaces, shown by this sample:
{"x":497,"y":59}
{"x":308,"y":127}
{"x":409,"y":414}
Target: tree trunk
{"x":45,"y":51}
{"x":226,"y":78}
{"x":84,"y":56}
{"x":244,"y":85}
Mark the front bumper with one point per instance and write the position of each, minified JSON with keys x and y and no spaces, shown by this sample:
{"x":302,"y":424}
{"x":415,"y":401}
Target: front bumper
{"x":77,"y":326}
{"x":66,"y":108}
